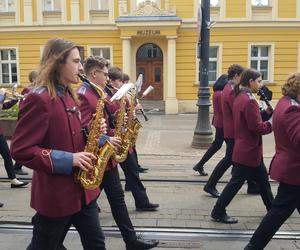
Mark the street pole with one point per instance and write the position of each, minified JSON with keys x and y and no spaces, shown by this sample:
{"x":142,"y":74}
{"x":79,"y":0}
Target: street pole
{"x":203,"y":132}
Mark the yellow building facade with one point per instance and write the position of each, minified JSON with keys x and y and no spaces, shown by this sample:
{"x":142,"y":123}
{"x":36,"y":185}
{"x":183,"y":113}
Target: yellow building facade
{"x":157,"y":38}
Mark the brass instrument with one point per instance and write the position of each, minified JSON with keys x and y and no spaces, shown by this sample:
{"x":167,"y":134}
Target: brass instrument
{"x":12,"y":95}
{"x":120,"y":131}
{"x":92,"y":179}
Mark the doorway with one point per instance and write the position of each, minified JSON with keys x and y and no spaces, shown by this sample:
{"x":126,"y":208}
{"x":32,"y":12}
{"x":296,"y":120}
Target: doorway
{"x":149,"y":63}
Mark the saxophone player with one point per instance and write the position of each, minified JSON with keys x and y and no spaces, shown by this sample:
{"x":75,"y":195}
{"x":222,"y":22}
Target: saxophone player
{"x":130,"y":165}
{"x":48,"y":139}
{"x":96,"y":70}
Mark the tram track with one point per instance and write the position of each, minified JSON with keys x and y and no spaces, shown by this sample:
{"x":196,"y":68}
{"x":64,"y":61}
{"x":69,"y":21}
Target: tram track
{"x":163,"y":233}
{"x":157,"y":180}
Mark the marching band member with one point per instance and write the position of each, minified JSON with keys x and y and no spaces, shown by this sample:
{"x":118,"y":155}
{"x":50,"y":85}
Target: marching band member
{"x":217,"y":122}
{"x":227,"y":98}
{"x":247,"y":152}
{"x":96,"y":70}
{"x":48,"y":138}
{"x":285,"y":164}
{"x":126,"y":79}
{"x":4,"y":149}
{"x":129,"y":166}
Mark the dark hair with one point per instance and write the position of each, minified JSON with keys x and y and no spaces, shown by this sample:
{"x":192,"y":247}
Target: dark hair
{"x":247,"y":75}
{"x":234,"y":69}
{"x":94,"y":62}
{"x":291,"y":87}
{"x":125,"y":78}
{"x":220,"y":82}
{"x":32,"y":76}
{"x":115,"y":73}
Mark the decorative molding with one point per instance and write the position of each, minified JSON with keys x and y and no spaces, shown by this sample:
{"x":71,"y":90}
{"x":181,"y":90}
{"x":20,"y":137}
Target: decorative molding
{"x":151,"y":8}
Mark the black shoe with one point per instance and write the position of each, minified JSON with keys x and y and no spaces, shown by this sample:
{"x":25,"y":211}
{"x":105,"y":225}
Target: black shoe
{"x":200,"y":170}
{"x":127,"y":188}
{"x":20,"y":171}
{"x":253,"y":190}
{"x":142,"y":244}
{"x":22,"y":184}
{"x":143,"y":170}
{"x":1,"y":204}
{"x":212,"y":191}
{"x":223,"y":218}
{"x":148,"y":207}
{"x":251,"y":247}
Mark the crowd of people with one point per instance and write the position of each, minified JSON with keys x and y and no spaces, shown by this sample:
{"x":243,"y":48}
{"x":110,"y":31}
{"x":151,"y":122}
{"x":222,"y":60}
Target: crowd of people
{"x":241,"y":121}
{"x":51,"y":109}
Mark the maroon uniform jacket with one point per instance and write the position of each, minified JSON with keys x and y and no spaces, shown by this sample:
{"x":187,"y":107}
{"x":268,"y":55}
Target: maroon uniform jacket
{"x":217,"y":106}
{"x":47,"y":134}
{"x":285,"y":166}
{"x":88,"y":104}
{"x":227,"y":105}
{"x":248,"y":130}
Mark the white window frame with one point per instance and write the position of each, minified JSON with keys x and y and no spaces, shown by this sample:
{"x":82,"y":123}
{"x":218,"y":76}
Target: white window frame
{"x":217,"y":5}
{"x":270,"y":59}
{"x":99,"y":3}
{"x":104,"y":46}
{"x":6,"y":9}
{"x":219,"y":61}
{"x":263,"y":5}
{"x":52,"y":6}
{"x":10,"y":61}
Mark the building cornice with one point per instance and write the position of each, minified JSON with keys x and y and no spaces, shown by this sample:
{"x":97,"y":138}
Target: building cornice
{"x":262,"y":24}
{"x":59,"y":27}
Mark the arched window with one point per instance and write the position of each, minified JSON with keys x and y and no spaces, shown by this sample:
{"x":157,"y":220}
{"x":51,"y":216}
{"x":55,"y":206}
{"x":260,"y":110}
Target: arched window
{"x":149,"y":51}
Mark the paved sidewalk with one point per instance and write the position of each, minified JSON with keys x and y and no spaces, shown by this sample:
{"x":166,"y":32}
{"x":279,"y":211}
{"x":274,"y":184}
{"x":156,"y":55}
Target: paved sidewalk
{"x":164,"y":147}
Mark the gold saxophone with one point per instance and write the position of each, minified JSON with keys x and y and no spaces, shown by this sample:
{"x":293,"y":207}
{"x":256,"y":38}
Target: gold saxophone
{"x":92,"y":179}
{"x":120,"y":131}
{"x":134,"y":124}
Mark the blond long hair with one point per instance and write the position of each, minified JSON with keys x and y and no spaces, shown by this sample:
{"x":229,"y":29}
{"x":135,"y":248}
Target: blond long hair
{"x":54,"y":56}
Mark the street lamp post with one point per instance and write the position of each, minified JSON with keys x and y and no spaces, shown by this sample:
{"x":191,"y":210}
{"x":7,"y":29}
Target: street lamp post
{"x":203,"y":132}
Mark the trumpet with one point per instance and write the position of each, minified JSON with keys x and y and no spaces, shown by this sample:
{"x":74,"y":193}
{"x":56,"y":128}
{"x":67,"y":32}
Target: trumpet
{"x":11,"y":95}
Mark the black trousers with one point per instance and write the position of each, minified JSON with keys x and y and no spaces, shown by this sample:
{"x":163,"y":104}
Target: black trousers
{"x":214,"y":147}
{"x":5,"y":153}
{"x":115,"y":195}
{"x":130,"y":168}
{"x":49,"y":233}
{"x":284,"y":204}
{"x":223,"y":165}
{"x":241,"y":173}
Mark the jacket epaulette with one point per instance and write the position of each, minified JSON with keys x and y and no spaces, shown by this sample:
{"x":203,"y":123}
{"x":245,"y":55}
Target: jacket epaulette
{"x":39,"y":90}
{"x":251,"y":97}
{"x":294,"y":102}
{"x":82,"y":90}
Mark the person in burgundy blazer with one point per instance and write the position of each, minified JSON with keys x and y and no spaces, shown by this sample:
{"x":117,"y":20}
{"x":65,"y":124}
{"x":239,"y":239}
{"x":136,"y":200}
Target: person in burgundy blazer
{"x":285,"y":166}
{"x":247,"y":152}
{"x":130,"y":165}
{"x":217,"y":122}
{"x":96,"y":70}
{"x":49,"y":140}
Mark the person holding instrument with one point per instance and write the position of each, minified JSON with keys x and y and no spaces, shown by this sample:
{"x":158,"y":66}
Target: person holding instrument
{"x":49,"y":139}
{"x":285,"y":165}
{"x":96,"y":70}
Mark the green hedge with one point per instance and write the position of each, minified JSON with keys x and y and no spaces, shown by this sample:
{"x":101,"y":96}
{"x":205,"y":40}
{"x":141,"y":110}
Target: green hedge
{"x":10,"y":113}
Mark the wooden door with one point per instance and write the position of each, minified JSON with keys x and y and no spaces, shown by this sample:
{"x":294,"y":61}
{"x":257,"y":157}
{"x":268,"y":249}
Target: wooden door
{"x":152,"y":71}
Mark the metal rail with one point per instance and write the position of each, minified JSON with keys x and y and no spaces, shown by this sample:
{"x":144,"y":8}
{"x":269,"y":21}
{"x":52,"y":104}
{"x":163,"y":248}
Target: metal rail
{"x":174,"y":234}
